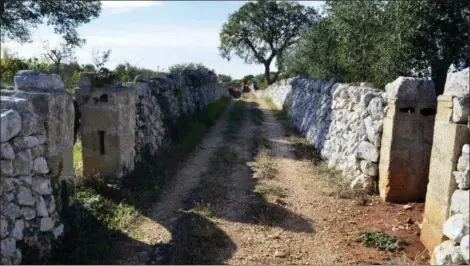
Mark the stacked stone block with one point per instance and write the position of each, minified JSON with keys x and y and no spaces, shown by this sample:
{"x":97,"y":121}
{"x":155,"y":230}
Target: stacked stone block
{"x":29,"y":216}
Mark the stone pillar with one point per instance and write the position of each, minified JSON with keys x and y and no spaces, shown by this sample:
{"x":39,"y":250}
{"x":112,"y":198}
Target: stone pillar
{"x":451,"y":132}
{"x":107,"y":128}
{"x":54,"y":106}
{"x":407,"y":140}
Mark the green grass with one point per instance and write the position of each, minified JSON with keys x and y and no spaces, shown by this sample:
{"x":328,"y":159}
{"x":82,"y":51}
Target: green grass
{"x":77,"y":154}
{"x":381,"y":241}
{"x":235,"y":120}
{"x":257,"y":115}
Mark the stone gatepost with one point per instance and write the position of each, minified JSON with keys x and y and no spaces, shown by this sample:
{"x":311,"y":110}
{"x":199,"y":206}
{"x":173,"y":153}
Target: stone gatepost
{"x":107,"y":127}
{"x":407,"y":140}
{"x":54,"y":106}
{"x":451,"y":132}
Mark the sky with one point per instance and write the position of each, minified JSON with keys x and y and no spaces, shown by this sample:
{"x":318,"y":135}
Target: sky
{"x":154,"y":35}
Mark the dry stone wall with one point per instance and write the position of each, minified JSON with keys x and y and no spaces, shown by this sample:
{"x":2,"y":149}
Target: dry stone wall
{"x":343,"y":121}
{"x":162,"y":102}
{"x":29,"y":214}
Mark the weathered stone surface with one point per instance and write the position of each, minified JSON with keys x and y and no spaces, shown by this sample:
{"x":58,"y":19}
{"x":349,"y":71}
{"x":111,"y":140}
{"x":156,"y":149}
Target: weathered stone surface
{"x":363,"y":182}
{"x":28,"y":213}
{"x":8,"y":184}
{"x":410,"y":89}
{"x":41,"y":139}
{"x":8,"y":246}
{"x":460,"y":202}
{"x":27,"y":180}
{"x":17,"y":231}
{"x":24,"y":196}
{"x":463,"y":178}
{"x":37,"y":151}
{"x":457,"y":84}
{"x":30,"y":80}
{"x":367,"y":151}
{"x":58,"y":231}
{"x":51,"y":206}
{"x":464,"y":248}
{"x":448,"y":253}
{"x":46,"y":224}
{"x":456,"y":227}
{"x":466,"y":149}
{"x":10,"y":125}
{"x":42,"y":186}
{"x":40,"y":166}
{"x":6,"y":167}
{"x":17,"y":257}
{"x":461,"y":109}
{"x":23,"y":163}
{"x":6,"y":151}
{"x":23,"y":105}
{"x":3,"y":227}
{"x":369,"y":168}
{"x":12,"y":211}
{"x":25,"y":142}
{"x":41,"y":208}
{"x":463,"y":162}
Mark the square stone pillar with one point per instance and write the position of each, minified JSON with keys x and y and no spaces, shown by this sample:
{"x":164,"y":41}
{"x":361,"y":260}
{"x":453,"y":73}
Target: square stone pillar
{"x":107,"y":129}
{"x":407,"y":140}
{"x":448,"y":140}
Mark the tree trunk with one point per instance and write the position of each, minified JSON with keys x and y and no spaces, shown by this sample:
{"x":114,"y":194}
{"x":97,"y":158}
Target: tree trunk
{"x":57,"y":67}
{"x":267,"y":74}
{"x":439,"y":76}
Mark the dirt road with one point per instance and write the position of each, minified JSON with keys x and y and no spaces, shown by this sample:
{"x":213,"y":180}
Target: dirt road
{"x":253,"y":194}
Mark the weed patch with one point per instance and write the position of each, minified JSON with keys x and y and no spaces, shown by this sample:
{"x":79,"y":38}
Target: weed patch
{"x":381,"y":241}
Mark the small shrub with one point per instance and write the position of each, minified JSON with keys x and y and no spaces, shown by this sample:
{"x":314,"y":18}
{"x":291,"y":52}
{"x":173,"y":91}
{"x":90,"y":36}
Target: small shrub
{"x":381,"y":241}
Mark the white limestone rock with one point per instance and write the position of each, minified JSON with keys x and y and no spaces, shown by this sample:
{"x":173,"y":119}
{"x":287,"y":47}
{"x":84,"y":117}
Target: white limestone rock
{"x":448,"y":253}
{"x":465,"y":249}
{"x":42,"y":186}
{"x":10,"y":125}
{"x":457,"y":84}
{"x":460,"y":110}
{"x":6,"y":151}
{"x":363,"y":182}
{"x":460,"y":202}
{"x":367,"y":151}
{"x":58,"y":231}
{"x":7,"y":247}
{"x":28,"y":213}
{"x":26,"y":142}
{"x":30,"y":80}
{"x":11,"y":211}
{"x":40,"y":166}
{"x":463,"y":162}
{"x":409,"y":89}
{"x":369,"y":168}
{"x":46,"y":224}
{"x":23,"y":163}
{"x":41,"y":208}
{"x":462,"y":178}
{"x":456,"y":227}
{"x":17,"y":231}
{"x":6,"y":167}
{"x":24,"y":196}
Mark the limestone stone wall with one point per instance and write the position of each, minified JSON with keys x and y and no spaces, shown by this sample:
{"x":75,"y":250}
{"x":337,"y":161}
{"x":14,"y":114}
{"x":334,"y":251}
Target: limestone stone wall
{"x":34,"y":163}
{"x":343,"y":121}
{"x":162,"y":102}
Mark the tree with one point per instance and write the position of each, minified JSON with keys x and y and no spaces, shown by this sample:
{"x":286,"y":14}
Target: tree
{"x":224,"y":78}
{"x":438,"y":36}
{"x":260,"y":31}
{"x":17,"y":17}
{"x":62,"y":52}
{"x":100,"y":58}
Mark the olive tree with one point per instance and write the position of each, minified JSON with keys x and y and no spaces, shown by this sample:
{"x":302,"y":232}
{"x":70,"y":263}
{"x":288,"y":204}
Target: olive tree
{"x":260,"y":31}
{"x":17,"y":17}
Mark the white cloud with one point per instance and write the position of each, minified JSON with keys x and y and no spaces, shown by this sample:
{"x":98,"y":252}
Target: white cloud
{"x":117,"y":7}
